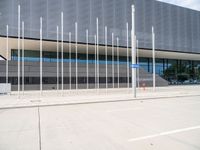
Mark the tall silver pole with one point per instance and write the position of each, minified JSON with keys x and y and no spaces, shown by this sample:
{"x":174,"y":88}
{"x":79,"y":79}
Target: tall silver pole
{"x":95,"y":62}
{"x":70,"y":61}
{"x":57,"y":58}
{"x":133,"y":51}
{"x":7,"y":54}
{"x":62,"y":80}
{"x":154,"y":61}
{"x":118,"y":61}
{"x":76,"y":40}
{"x":19,"y":51}
{"x":87,"y":58}
{"x":138,"y":70}
{"x":106,"y":53}
{"x":113,"y":62}
{"x":128,"y":65}
{"x":41,"y":76}
{"x":98,"y":76}
{"x":23,"y":57}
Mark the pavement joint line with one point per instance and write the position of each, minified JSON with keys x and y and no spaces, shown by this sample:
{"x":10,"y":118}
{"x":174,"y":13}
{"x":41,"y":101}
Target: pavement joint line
{"x":164,"y":134}
{"x":93,"y":102}
{"x":39,"y":130}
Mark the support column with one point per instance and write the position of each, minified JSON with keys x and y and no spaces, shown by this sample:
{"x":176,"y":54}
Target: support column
{"x":154,"y":61}
{"x":18,"y":51}
{"x":41,"y":57}
{"x":133,"y":51}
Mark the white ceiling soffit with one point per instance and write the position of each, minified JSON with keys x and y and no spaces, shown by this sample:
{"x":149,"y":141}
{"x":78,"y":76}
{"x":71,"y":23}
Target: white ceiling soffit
{"x":170,"y":55}
{"x":1,"y":58}
{"x":51,"y":46}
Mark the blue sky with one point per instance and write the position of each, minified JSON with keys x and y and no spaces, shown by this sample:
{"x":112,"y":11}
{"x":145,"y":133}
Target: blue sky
{"x":193,"y":4}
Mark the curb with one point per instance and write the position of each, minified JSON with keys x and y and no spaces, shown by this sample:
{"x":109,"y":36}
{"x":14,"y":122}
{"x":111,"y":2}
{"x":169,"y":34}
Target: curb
{"x":91,"y":102}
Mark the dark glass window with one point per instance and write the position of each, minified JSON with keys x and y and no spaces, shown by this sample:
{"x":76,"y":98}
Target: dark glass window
{"x":144,"y":63}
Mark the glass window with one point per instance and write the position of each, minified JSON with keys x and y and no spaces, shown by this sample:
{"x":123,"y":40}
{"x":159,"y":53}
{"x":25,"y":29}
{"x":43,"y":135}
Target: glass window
{"x":159,"y":66}
{"x":144,"y":63}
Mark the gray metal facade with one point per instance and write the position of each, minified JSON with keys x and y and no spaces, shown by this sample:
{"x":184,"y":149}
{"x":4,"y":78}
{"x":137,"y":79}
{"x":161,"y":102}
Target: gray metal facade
{"x":176,"y":28}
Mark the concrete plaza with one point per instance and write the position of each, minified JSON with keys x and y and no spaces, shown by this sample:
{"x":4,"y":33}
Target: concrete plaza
{"x":81,"y":96}
{"x":163,"y":120}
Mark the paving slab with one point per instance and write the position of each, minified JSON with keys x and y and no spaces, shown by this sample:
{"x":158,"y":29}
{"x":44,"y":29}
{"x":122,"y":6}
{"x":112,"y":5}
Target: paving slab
{"x":166,"y":123}
{"x":54,"y":97}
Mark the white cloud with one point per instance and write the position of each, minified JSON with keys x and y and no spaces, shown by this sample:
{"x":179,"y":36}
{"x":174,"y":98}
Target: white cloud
{"x":193,"y":4}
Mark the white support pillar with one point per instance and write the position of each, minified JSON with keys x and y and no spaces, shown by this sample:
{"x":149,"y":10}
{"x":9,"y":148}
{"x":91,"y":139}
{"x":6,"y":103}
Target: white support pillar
{"x":70,"y":60}
{"x":7,"y":49}
{"x":106,"y":55}
{"x":154,"y":61}
{"x":97,"y":44}
{"x":113,"y":62}
{"x":95,"y":61}
{"x":138,"y":70}
{"x":41,"y":75}
{"x":62,"y":47}
{"x":87,"y":58}
{"x":23,"y":57}
{"x":128,"y":64}
{"x":18,"y":51}
{"x":133,"y":51}
{"x":76,"y":48}
{"x":57,"y":58}
{"x":118,"y":61}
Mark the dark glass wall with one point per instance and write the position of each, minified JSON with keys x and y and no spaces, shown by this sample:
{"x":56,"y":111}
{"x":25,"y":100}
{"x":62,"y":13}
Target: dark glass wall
{"x":173,"y":70}
{"x":34,"y":56}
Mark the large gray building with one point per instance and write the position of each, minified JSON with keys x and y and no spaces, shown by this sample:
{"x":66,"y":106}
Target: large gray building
{"x":177,"y":36}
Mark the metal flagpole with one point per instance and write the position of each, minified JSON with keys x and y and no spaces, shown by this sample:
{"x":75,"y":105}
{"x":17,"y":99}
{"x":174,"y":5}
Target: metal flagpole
{"x":133,"y":51}
{"x":154,"y":62}
{"x":41,"y":57}
{"x":76,"y":28}
{"x":87,"y":57}
{"x":118,"y":61}
{"x":97,"y":44}
{"x":57,"y":58}
{"x":113,"y":62}
{"x":127,"y":40}
{"x":62,"y":80}
{"x":138,"y":71}
{"x":18,"y":51}
{"x":95,"y":61}
{"x":70,"y":61}
{"x":7,"y":54}
{"x":106,"y":53}
{"x":23,"y":57}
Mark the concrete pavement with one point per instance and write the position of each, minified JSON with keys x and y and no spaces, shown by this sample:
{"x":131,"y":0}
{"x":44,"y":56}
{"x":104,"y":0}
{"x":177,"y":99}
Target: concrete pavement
{"x":104,"y":126}
{"x":51,"y":98}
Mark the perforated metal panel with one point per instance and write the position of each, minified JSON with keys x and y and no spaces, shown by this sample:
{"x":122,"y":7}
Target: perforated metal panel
{"x":176,"y":28}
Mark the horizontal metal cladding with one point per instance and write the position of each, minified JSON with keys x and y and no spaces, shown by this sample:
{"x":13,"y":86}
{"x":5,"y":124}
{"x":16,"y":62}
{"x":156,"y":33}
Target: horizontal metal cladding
{"x":111,"y":13}
{"x":176,"y":28}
